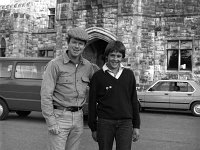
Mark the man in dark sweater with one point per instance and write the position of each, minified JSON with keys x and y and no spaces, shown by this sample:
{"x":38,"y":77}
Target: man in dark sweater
{"x":113,"y":103}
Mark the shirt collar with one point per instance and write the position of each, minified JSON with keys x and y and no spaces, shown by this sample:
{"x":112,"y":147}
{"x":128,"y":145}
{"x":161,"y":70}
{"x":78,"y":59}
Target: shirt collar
{"x":105,"y":67}
{"x":67,"y":59}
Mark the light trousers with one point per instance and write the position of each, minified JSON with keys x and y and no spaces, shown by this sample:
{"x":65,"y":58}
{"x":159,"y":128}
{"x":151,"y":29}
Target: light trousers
{"x":71,"y":128}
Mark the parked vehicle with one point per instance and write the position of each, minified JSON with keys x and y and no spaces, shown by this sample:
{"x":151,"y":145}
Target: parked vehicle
{"x":20,"y":83}
{"x":172,"y":94}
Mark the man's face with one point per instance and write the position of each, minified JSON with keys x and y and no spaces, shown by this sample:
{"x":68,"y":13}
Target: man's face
{"x":76,"y":47}
{"x":114,"y":60}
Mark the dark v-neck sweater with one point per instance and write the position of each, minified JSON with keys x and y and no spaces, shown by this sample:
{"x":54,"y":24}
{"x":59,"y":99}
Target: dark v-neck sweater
{"x":112,"y":98}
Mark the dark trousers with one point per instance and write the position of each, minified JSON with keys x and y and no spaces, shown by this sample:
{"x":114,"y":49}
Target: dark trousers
{"x":120,"y":130}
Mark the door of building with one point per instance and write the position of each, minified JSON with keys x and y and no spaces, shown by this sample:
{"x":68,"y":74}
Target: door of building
{"x":94,"y":52}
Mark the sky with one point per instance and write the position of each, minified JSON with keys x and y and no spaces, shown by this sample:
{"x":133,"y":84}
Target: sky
{"x":4,"y":2}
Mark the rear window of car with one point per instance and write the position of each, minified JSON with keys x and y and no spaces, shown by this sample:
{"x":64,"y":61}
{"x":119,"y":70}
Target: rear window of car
{"x":30,"y":70}
{"x":5,"y":69}
{"x":185,"y":87}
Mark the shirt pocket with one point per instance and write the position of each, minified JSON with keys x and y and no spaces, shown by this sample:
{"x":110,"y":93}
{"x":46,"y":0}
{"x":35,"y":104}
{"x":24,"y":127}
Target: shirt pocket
{"x":85,"y":85}
{"x":85,"y":79}
{"x":65,"y":79}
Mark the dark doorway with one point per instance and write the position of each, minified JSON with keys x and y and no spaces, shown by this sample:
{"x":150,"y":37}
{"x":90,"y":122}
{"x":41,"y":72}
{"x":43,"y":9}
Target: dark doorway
{"x":94,"y":52}
{"x":3,"y":48}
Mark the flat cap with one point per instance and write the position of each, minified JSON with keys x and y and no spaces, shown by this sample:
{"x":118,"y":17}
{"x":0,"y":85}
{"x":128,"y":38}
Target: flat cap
{"x":78,"y":33}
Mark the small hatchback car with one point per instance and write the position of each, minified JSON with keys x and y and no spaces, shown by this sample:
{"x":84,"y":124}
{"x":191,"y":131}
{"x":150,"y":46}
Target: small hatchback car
{"x":172,"y":94}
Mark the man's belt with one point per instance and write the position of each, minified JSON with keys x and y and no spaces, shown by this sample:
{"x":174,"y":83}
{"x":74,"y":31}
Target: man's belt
{"x":72,"y":108}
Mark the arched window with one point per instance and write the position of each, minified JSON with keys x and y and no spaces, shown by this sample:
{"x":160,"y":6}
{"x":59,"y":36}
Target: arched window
{"x":28,"y":4}
{"x":15,"y":5}
{"x":3,"y":48}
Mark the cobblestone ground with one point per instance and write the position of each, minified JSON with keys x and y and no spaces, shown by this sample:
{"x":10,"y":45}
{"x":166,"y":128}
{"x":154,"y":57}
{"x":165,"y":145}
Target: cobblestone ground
{"x":159,"y":131}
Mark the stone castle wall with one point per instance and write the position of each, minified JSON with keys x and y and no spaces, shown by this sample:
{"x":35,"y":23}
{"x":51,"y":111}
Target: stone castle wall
{"x":25,"y":27}
{"x":144,"y":26}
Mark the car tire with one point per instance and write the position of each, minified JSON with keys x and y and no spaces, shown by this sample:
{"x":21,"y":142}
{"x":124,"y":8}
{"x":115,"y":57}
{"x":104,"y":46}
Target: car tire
{"x":3,"y":110}
{"x":23,"y":113}
{"x":195,"y":108}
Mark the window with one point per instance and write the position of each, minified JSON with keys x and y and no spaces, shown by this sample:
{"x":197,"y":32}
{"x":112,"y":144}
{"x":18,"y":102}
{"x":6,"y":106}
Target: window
{"x":179,"y":53}
{"x":185,"y":87}
{"x":161,"y":86}
{"x":30,"y":70}
{"x":174,"y":86}
{"x":181,"y":87}
{"x":5,"y":69}
{"x":46,"y":53}
{"x":51,"y":18}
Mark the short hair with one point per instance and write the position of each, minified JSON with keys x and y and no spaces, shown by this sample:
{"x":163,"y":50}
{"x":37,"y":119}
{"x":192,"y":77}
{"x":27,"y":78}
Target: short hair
{"x":115,"y":46}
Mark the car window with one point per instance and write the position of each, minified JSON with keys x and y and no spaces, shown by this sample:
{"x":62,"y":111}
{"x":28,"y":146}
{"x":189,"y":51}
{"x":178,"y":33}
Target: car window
{"x":174,"y":86}
{"x":161,"y":86}
{"x":30,"y":70}
{"x":5,"y":69}
{"x":185,"y":87}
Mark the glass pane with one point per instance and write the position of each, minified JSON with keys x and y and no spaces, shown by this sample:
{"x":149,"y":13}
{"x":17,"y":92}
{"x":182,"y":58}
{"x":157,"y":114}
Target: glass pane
{"x":186,"y":62}
{"x":30,"y":70}
{"x":174,"y":86}
{"x":161,"y":86}
{"x":185,"y":87}
{"x":50,"y":53}
{"x":5,"y":69}
{"x":186,"y":44}
{"x":173,"y":45}
{"x":172,"y":59}
{"x":190,"y":88}
{"x":41,"y":53}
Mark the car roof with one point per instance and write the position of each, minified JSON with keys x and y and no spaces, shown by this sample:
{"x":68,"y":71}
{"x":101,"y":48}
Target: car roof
{"x":176,"y":80}
{"x":24,"y":58}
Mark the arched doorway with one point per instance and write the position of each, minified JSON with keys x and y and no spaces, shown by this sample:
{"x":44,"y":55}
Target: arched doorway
{"x":3,"y":48}
{"x":98,"y":40}
{"x":94,"y":52}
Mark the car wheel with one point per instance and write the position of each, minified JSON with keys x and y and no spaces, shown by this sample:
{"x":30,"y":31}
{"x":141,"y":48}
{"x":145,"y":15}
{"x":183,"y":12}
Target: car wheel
{"x":3,"y":110}
{"x":196,"y":109}
{"x":23,"y":113}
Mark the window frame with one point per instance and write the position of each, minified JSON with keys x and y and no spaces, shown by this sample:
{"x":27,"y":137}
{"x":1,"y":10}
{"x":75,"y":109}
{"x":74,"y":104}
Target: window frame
{"x":9,"y":69}
{"x":38,"y":75}
{"x":46,"y":53}
{"x":51,"y":22}
{"x":179,"y":47}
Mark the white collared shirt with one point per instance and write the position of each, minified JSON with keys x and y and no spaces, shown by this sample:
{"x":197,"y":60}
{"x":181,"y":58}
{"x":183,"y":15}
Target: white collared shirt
{"x":121,"y":68}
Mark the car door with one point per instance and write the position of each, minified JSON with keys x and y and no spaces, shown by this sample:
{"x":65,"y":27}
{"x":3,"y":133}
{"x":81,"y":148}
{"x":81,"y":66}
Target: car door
{"x":158,"y":95}
{"x":181,"y":99}
{"x":5,"y":78}
{"x":26,"y":85}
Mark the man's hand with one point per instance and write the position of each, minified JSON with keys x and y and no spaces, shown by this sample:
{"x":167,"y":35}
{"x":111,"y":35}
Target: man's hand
{"x":136,"y":134}
{"x":54,"y":129}
{"x":94,"y":136}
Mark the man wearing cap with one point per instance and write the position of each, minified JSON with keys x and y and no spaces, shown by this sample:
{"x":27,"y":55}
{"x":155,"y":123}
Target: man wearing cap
{"x":64,"y":91}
